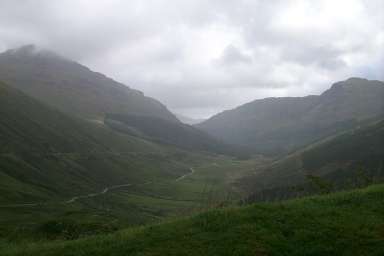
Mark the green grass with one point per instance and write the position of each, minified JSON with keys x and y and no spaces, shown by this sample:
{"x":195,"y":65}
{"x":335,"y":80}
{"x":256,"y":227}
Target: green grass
{"x":210,"y":185}
{"x":350,"y":159}
{"x":48,"y":157}
{"x":346,"y":223}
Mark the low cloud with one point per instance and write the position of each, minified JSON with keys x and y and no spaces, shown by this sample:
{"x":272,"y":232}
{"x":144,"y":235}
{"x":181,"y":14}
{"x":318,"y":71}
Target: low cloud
{"x":200,"y":57}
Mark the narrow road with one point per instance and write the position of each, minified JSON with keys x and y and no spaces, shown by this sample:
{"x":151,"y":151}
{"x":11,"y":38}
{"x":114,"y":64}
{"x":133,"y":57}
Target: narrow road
{"x":104,"y":191}
{"x":186,"y":175}
{"x":75,"y":198}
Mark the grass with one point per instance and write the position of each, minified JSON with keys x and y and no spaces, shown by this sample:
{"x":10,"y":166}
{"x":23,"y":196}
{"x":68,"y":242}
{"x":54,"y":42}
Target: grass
{"x":350,"y":159}
{"x":346,"y":223}
{"x":164,"y":198}
{"x":47,"y":157}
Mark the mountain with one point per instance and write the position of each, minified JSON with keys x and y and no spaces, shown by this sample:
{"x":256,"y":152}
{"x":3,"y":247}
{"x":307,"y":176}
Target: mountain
{"x":352,"y":158}
{"x":168,"y":132}
{"x":47,"y":154}
{"x":55,"y":166}
{"x":72,"y":87}
{"x":348,"y":223}
{"x":189,"y":120}
{"x":281,"y":125}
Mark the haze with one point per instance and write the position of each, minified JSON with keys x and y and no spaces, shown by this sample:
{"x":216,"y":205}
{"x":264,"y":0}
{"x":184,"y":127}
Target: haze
{"x":202,"y":57}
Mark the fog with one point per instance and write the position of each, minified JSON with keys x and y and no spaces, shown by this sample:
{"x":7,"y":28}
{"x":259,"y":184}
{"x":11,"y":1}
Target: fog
{"x":201,"y":57}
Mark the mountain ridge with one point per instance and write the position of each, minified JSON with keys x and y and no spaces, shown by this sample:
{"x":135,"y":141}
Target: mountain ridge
{"x":349,"y":159}
{"x":43,"y":149}
{"x":280,"y":125}
{"x":72,"y":87}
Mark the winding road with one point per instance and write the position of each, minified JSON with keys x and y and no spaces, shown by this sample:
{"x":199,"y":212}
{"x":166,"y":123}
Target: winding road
{"x":185,"y":175}
{"x":104,"y":191}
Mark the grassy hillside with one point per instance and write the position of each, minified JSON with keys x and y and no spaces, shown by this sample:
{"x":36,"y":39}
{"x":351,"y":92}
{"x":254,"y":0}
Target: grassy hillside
{"x":48,"y":158}
{"x":54,"y":169}
{"x":348,"y":223}
{"x":168,"y":132}
{"x":351,"y":159}
{"x":72,"y":87}
{"x":46,"y":152}
{"x":281,"y":125}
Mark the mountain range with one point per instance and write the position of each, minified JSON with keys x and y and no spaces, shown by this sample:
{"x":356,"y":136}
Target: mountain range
{"x":189,"y":120}
{"x":281,"y":125}
{"x":82,"y":154}
{"x":45,"y":154}
{"x":167,"y":132}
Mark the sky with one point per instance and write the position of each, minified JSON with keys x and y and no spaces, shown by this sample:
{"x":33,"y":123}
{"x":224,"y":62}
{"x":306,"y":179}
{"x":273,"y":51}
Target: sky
{"x":200,"y":57}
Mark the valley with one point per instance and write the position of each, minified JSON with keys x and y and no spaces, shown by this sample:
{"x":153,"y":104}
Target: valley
{"x":206,"y":187}
{"x":91,"y":166}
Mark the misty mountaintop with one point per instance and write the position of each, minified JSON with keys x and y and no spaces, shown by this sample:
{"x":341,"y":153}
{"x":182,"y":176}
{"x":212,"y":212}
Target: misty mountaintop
{"x":280,"y":125}
{"x":72,"y":87}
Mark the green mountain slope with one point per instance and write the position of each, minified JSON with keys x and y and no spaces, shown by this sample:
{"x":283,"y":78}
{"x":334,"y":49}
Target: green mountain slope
{"x":352,"y":158}
{"x":58,"y":168}
{"x":168,"y":132}
{"x":73,"y":88}
{"x":280,"y":125}
{"x":46,"y":152}
{"x":47,"y":157}
{"x":349,"y":223}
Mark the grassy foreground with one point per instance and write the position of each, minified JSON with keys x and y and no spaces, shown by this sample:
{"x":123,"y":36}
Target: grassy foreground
{"x":347,"y":223}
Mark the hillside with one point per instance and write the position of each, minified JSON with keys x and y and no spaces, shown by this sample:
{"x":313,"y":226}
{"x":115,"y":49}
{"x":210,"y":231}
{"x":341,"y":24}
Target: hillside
{"x":72,"y":87}
{"x":47,"y":158}
{"x":281,"y":125}
{"x":168,"y":132}
{"x":57,"y":169}
{"x":326,"y":225}
{"x":350,"y":159}
{"x":46,"y":152}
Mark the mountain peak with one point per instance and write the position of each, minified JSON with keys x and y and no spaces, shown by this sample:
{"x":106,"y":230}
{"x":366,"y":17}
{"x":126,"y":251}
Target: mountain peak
{"x":25,"y":50}
{"x":31,"y":50}
{"x":356,"y":80}
{"x":350,"y":83}
{"x":72,"y":87}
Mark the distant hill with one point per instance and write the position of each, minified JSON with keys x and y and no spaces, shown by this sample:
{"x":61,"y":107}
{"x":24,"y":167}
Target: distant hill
{"x":72,"y":87}
{"x":163,"y":131}
{"x":281,"y":125}
{"x":351,"y":159}
{"x":189,"y":120}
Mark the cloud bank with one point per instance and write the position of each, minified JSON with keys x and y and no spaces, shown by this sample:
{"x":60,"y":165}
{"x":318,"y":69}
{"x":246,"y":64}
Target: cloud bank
{"x":201,"y":57}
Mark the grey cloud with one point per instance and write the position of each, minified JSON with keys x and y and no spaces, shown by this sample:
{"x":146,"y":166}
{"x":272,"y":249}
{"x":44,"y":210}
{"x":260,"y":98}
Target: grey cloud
{"x":203,"y":56}
{"x":232,"y":55}
{"x":326,"y":57}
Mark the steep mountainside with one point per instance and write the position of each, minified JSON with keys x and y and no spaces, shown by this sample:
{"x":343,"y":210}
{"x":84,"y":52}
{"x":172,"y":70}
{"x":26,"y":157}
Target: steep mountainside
{"x":168,"y":132}
{"x":280,"y":125}
{"x":351,"y":159}
{"x":46,"y":155}
{"x":72,"y":87}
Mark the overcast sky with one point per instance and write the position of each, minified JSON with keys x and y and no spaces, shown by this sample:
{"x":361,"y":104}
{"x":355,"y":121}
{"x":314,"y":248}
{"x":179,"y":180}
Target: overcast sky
{"x":200,"y":57}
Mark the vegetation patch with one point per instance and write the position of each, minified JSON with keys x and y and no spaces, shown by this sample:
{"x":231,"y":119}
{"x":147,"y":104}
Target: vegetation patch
{"x":346,"y":223}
